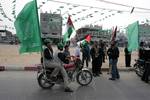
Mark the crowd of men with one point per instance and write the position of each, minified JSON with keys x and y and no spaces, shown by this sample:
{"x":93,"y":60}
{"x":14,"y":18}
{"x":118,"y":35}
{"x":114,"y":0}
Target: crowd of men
{"x":97,"y":52}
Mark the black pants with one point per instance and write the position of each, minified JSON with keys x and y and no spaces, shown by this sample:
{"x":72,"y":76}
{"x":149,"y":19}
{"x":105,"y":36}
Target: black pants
{"x":86,"y":59}
{"x":127,"y":60}
{"x":146,"y":73}
{"x":96,"y":66}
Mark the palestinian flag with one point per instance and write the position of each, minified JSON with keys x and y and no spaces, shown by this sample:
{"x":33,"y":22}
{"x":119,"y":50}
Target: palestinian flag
{"x":69,"y":30}
{"x":88,"y":38}
{"x":114,"y":35}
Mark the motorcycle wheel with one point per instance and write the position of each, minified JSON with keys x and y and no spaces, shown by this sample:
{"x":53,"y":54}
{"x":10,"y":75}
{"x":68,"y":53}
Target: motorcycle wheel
{"x":138,"y":71}
{"x":84,"y":77}
{"x":43,"y":82}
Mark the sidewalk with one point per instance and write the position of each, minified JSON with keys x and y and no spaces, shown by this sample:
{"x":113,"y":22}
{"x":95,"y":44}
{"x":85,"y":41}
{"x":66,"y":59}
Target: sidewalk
{"x":36,"y":66}
{"x":11,"y":60}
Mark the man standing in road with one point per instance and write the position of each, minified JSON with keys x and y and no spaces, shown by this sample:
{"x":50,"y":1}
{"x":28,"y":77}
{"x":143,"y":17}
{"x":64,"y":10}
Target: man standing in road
{"x":127,"y":56}
{"x":113,"y":53}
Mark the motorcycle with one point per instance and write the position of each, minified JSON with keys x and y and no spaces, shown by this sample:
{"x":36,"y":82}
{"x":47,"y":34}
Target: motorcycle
{"x":75,"y":72}
{"x":139,"y":67}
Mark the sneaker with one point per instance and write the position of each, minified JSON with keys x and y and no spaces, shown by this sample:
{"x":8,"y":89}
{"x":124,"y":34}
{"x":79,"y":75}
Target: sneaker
{"x":68,"y":90}
{"x":98,"y":75}
{"x":94,"y":75}
{"x":111,"y":79}
{"x":118,"y":78}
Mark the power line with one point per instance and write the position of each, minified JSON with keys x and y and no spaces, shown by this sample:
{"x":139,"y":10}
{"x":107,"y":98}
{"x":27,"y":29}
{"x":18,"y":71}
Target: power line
{"x":103,"y":8}
{"x":123,"y":5}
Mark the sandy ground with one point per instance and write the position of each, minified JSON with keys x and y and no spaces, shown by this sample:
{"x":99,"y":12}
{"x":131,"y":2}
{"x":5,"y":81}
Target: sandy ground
{"x":9,"y":55}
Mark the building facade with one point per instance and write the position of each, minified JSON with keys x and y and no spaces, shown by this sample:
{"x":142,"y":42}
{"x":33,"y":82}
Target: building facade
{"x":97,"y":33}
{"x":51,"y":26}
{"x":144,"y":32}
{"x":7,"y":37}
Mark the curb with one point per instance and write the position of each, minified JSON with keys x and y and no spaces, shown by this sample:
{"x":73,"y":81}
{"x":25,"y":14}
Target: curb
{"x":37,"y":66}
{"x":20,"y":68}
{"x":120,"y":69}
{"x":2,"y":68}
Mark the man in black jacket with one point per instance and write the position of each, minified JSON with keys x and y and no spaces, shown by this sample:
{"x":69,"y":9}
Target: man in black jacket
{"x":127,"y":56}
{"x":113,"y":53}
{"x":97,"y":55}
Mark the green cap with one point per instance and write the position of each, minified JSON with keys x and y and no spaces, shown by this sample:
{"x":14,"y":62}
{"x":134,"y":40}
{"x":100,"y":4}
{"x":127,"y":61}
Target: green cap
{"x":46,"y":41}
{"x":60,"y":46}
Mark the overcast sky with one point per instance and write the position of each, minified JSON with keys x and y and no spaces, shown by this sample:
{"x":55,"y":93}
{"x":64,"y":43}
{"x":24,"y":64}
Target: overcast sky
{"x":107,"y":17}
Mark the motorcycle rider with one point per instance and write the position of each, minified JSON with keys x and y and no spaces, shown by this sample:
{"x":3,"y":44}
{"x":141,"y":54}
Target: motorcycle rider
{"x":52,"y":61}
{"x":67,"y":54}
{"x":61,"y":54}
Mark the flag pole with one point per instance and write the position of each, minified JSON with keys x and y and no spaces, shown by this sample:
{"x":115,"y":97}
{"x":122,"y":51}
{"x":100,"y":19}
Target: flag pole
{"x":38,"y":22}
{"x":138,"y":40}
{"x":42,"y":56}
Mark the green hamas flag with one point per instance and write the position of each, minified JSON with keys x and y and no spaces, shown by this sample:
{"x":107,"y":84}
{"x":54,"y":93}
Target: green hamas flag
{"x":70,"y":29}
{"x":27,"y":28}
{"x":132,"y":35}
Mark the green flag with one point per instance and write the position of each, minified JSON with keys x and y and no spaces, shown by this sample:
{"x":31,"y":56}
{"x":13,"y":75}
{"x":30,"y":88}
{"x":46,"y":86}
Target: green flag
{"x":70,"y":29}
{"x":132,"y":35}
{"x":27,"y":28}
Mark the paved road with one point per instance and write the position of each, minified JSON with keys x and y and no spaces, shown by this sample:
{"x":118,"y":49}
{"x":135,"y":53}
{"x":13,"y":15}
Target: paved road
{"x":22,"y":85}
